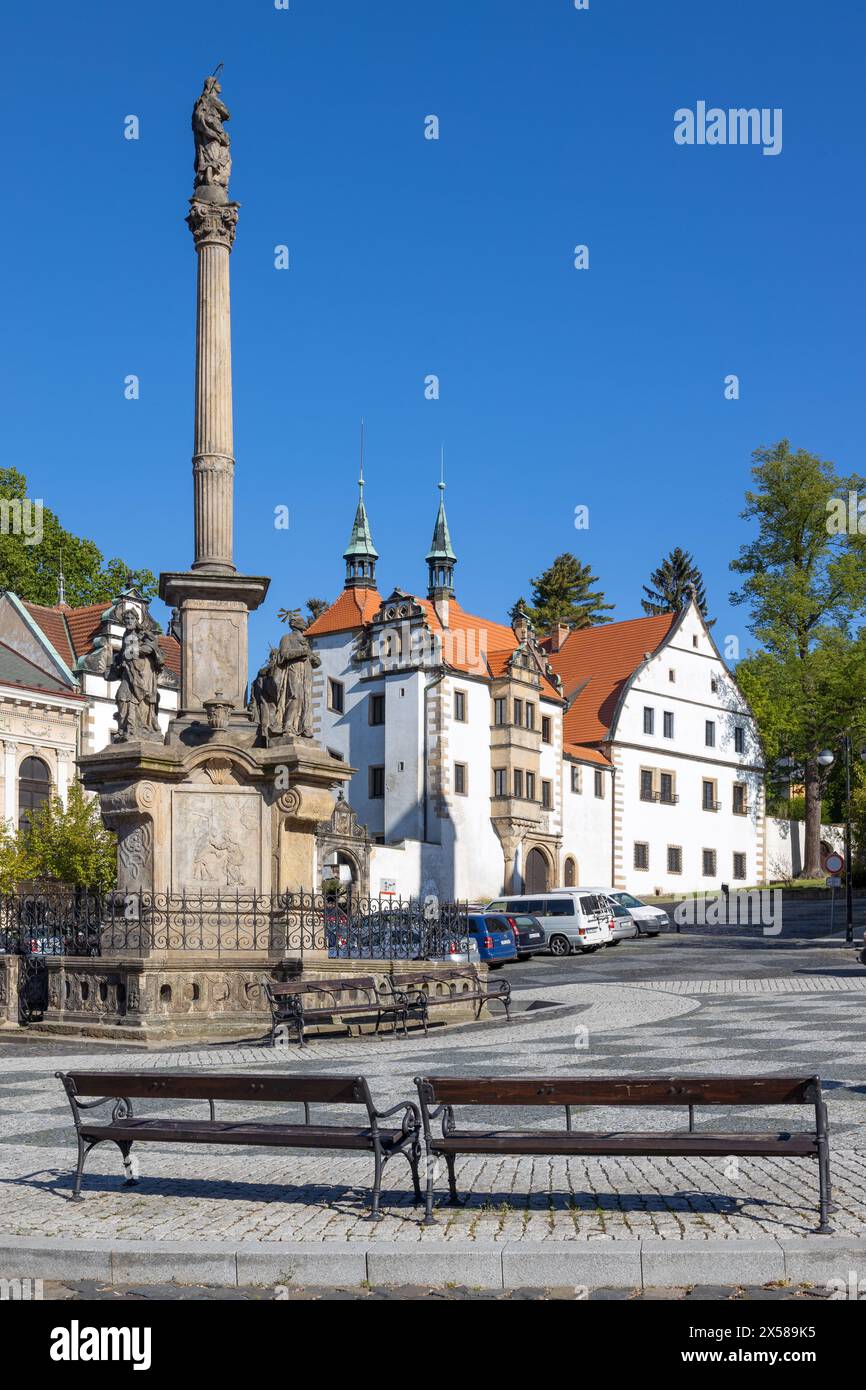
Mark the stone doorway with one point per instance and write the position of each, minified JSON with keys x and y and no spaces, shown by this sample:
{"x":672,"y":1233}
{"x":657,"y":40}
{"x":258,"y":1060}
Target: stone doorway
{"x":537,"y":877}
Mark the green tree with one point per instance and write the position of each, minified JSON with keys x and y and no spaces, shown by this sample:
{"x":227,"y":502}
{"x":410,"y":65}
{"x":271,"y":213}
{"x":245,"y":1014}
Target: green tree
{"x":672,"y":584}
{"x":33,"y":543}
{"x":564,"y":593}
{"x":69,"y":844}
{"x":316,"y":607}
{"x":805,"y":582}
{"x":15,"y":862}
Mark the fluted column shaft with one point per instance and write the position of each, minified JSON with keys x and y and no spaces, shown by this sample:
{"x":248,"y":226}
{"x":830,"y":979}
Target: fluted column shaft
{"x":213,"y":229}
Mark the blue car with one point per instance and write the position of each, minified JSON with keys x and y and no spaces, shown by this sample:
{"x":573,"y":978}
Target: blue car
{"x":494,"y":936}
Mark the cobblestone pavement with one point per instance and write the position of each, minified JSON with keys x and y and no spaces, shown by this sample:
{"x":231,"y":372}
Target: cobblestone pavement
{"x":89,"y":1291}
{"x":790,"y":1019}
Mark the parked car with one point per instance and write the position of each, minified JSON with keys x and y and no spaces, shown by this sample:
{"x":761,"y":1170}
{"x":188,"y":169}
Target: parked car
{"x":573,"y":919}
{"x":624,"y":925}
{"x":528,"y":932}
{"x":494,"y":938}
{"x":650,"y":920}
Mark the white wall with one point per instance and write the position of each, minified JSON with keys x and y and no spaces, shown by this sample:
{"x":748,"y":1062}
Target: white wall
{"x":692,"y":701}
{"x":587,"y":826}
{"x":785,"y":840}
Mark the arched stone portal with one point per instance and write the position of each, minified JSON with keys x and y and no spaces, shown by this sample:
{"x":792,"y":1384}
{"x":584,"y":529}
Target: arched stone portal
{"x":537,"y":874}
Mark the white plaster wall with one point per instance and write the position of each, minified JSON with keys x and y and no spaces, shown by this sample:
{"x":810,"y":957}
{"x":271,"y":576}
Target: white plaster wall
{"x":691,"y":699}
{"x":786,"y":844}
{"x":350,"y":734}
{"x":586,"y":826}
{"x":473,"y":859}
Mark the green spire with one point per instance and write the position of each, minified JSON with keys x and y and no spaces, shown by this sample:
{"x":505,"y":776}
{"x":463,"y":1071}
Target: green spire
{"x":441,"y":558}
{"x":361,"y":554}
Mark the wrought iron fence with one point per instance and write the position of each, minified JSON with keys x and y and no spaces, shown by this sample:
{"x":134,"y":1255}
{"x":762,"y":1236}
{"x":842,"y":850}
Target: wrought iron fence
{"x":60,"y":923}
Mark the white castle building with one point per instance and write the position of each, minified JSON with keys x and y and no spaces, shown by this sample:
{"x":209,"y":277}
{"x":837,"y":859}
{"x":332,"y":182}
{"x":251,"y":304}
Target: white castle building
{"x":489,"y":759}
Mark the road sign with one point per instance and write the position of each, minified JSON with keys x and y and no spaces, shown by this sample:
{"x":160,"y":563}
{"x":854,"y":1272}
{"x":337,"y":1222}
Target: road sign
{"x":834,"y":881}
{"x":833,"y":863}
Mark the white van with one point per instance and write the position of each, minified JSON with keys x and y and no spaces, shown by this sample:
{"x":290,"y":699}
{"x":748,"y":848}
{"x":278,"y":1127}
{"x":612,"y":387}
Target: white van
{"x":649,"y":920}
{"x":573,"y":918}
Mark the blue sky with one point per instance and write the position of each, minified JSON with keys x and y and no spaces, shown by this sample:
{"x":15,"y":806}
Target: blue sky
{"x":409,"y":257}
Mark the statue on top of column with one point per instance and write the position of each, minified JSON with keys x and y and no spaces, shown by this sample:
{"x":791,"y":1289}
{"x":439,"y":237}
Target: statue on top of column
{"x":213,"y":163}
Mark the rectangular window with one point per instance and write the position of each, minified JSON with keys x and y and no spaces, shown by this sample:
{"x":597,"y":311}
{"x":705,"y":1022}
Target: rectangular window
{"x":576,"y":785}
{"x":675,"y":859}
{"x":714,"y":685}
{"x":546,"y":728}
{"x":336,"y":696}
{"x":709,"y":863}
{"x":646,"y":785}
{"x":530,"y":786}
{"x":666,"y":788}
{"x":530,"y":715}
{"x":500,"y":787}
{"x":649,"y":719}
{"x":669,"y":723}
{"x":376,"y":783}
{"x":739,"y":865}
{"x":708,"y":794}
{"x":499,"y":710}
{"x":547,"y":795}
{"x":460,"y":706}
{"x":641,"y":854}
{"x":460,"y":779}
{"x":377,"y":709}
{"x":740,"y":807}
{"x":672,"y":675}
{"x":518,"y":782}
{"x":710,"y":733}
{"x":739,"y":739}
{"x":599,"y":784}
{"x":518,"y":711}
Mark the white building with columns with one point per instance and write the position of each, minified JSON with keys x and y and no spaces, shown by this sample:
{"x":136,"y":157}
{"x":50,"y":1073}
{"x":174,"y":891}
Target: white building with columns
{"x":55,"y":704}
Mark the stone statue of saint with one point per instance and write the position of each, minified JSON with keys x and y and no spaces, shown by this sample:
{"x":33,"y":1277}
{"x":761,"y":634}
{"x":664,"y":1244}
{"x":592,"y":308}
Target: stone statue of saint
{"x":213,"y":163}
{"x":137,"y":666}
{"x":282,"y":693}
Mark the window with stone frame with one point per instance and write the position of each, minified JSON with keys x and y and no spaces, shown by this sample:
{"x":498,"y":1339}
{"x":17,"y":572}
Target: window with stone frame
{"x":708,"y":859}
{"x":740,"y":806}
{"x":518,"y":712}
{"x":576,"y":778}
{"x":500,"y":781}
{"x":668,"y":723}
{"x":461,"y":779}
{"x":530,"y":786}
{"x":709,"y":733}
{"x":376,"y":779}
{"x":599,"y":784}
{"x":739,"y":739}
{"x":530,"y":715}
{"x":547,"y":795}
{"x":641,"y":854}
{"x":518,"y":782}
{"x":500,"y":710}
{"x":649,"y":719}
{"x":675,"y":859}
{"x":377,"y":709}
{"x":546,"y":729}
{"x":739,"y":864}
{"x":460,"y":706}
{"x":336,"y":696}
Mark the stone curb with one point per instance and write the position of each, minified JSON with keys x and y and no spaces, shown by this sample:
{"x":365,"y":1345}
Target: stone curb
{"x":623,"y":1264}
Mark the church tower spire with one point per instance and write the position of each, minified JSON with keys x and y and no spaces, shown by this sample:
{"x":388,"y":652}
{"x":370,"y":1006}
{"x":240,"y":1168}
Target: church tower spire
{"x":441,"y":558}
{"x":361,"y":554}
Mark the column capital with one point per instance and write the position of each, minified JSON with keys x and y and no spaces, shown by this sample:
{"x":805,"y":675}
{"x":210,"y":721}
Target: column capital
{"x":212,"y":224}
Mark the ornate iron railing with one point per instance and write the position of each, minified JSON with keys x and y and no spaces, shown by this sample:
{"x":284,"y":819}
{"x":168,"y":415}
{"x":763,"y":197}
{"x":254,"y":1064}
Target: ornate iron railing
{"x":60,"y":922}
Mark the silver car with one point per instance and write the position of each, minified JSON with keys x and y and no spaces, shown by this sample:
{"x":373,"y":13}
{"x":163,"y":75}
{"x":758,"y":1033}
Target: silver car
{"x":573,"y":919}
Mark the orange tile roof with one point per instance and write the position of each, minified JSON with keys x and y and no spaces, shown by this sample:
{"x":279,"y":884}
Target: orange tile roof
{"x":71,"y":631}
{"x":51,"y":622}
{"x":481,"y":638}
{"x":354,"y":608}
{"x":584,"y":754}
{"x":604,"y":658}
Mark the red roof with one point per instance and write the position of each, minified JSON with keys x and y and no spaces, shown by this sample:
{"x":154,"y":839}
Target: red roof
{"x":596,"y":663}
{"x":477,"y":645}
{"x":583,"y":754}
{"x":71,"y":631}
{"x":354,"y":608}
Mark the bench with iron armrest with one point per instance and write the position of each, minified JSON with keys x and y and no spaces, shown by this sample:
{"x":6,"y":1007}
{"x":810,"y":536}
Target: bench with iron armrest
{"x":414,"y":992}
{"x":124,"y":1128}
{"x":334,"y":998}
{"x":438,"y":1096}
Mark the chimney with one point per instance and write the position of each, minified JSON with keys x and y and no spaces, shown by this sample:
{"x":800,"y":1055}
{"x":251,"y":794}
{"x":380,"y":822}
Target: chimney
{"x":555,"y":638}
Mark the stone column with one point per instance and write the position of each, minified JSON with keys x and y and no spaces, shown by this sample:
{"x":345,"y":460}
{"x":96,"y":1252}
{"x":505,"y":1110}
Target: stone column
{"x":64,"y":771}
{"x":10,"y":781}
{"x":213,"y":229}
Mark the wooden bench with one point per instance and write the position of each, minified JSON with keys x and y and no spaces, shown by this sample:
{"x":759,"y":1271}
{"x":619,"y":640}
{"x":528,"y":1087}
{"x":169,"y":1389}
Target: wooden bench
{"x":124,"y":1128}
{"x":334,"y":998}
{"x":412,"y":992}
{"x":444,"y":1093}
